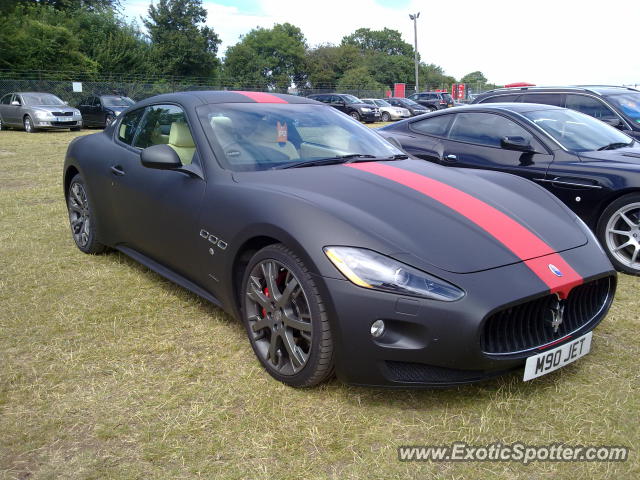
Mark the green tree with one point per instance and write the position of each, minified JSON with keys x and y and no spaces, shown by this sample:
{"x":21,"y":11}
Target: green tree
{"x":181,"y":44}
{"x":386,"y":41}
{"x":268,"y":58}
{"x":432,"y":76}
{"x":359,"y":78}
{"x":325,"y":64}
{"x":476,"y":77}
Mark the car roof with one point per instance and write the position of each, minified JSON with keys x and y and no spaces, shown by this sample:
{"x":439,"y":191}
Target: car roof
{"x":597,"y":89}
{"x":505,"y":107}
{"x":204,"y":97}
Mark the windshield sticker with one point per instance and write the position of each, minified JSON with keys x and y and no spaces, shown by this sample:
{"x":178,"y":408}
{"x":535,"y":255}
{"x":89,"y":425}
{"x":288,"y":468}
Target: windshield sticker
{"x":282,"y":132}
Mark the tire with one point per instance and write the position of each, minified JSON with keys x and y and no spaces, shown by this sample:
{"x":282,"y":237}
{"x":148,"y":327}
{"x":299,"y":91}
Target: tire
{"x":289,"y":333}
{"x":386,"y":117}
{"x":355,"y":115}
{"x":27,"y":122}
{"x":619,"y":233}
{"x":75,"y":129}
{"x":109,"y":120}
{"x":432,"y":108}
{"x":81,"y":218}
{"x":2,"y":125}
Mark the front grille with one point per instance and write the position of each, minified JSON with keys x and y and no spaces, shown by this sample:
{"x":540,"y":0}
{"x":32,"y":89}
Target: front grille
{"x":528,"y":325}
{"x":62,"y":114}
{"x":410,"y":372}
{"x":64,"y":124}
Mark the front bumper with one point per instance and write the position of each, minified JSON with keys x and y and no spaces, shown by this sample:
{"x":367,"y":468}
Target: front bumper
{"x":434,"y":343}
{"x":373,"y":116}
{"x":48,"y":124}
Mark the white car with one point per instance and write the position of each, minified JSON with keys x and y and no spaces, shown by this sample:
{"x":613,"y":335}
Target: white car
{"x":387,"y":111}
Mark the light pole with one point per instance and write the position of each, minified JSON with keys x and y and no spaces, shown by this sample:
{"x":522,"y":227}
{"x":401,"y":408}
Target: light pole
{"x":414,"y":17}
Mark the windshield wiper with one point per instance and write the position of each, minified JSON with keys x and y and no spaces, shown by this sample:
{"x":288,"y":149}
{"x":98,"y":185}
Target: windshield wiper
{"x":614,"y":145}
{"x":350,"y":158}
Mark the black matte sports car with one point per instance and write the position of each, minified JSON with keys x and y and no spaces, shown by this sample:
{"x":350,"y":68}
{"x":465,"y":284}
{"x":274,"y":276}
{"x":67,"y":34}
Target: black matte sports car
{"x":592,"y":167}
{"x":336,"y":250}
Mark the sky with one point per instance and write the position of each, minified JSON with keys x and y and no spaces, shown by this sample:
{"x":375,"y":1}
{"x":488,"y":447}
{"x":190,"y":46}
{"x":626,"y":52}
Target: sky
{"x":545,"y":42}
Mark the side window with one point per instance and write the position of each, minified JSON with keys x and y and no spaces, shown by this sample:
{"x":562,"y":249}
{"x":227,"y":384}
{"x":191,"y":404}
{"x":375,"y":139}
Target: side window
{"x":96,"y":101}
{"x":485,"y":129}
{"x":589,"y":105}
{"x":17,"y":98}
{"x":543,"y":98}
{"x":500,"y":99}
{"x":128,"y":124}
{"x":166,"y":124}
{"x":6,"y":100}
{"x":437,"y":126}
{"x":336,"y":99}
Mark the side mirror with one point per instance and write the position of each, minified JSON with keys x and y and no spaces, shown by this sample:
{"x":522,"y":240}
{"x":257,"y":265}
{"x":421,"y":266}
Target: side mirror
{"x":161,"y":156}
{"x":519,"y":144}
{"x":614,"y":122}
{"x":16,"y":103}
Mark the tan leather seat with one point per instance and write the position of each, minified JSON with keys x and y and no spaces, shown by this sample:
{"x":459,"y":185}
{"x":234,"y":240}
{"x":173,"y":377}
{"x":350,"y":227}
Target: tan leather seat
{"x":181,"y":141}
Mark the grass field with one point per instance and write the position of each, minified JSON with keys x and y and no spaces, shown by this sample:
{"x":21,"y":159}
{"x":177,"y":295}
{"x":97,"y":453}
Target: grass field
{"x":109,"y":371}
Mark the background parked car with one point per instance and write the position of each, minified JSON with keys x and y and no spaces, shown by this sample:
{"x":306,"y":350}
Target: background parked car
{"x":413,"y":107}
{"x":593,"y":168}
{"x":350,"y":105}
{"x":617,"y":106}
{"x":433,"y":100}
{"x":35,"y":110}
{"x":387,"y":111}
{"x":101,"y":110}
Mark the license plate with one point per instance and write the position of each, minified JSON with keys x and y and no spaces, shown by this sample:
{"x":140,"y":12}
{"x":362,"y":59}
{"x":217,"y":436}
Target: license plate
{"x":556,"y":358}
{"x":63,"y":119}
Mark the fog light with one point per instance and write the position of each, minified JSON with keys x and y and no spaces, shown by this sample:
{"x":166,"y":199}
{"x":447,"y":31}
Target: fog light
{"x":377,"y":328}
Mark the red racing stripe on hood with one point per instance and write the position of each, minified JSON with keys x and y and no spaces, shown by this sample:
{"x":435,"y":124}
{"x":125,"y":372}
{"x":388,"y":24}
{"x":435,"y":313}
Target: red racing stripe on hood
{"x":521,"y":241}
{"x":262,"y":97}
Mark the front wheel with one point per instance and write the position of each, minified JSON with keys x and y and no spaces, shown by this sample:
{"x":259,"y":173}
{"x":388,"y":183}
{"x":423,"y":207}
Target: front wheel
{"x":28,"y":125}
{"x":81,"y":217}
{"x":109,"y":120}
{"x":286,"y":319}
{"x":355,"y":115}
{"x":619,"y":232}
{"x":386,"y":117}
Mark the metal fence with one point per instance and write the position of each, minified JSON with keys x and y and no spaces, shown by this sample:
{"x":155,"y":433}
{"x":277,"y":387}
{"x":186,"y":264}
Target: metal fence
{"x":137,"y":87}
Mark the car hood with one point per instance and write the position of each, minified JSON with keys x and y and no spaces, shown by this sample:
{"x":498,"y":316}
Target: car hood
{"x":53,"y":108}
{"x":415,"y":227}
{"x":623,"y":157}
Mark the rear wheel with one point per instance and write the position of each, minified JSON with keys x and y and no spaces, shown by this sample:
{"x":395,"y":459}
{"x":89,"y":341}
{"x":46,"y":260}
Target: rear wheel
{"x":285,"y":318}
{"x":81,"y":218}
{"x":619,"y":232}
{"x":28,"y":124}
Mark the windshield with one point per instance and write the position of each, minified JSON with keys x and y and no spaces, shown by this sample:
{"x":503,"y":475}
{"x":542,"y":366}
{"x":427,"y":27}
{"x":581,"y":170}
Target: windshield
{"x":411,"y":103}
{"x":350,"y":99}
{"x":41,"y":99}
{"x":382,"y":103}
{"x":629,"y":103}
{"x":578,"y":132}
{"x":117,"y":101}
{"x":250,"y":136}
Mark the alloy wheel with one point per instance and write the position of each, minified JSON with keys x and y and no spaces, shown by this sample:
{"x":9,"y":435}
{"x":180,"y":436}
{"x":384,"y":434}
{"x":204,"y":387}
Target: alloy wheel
{"x":79,"y":216}
{"x":28,"y":126}
{"x":279,"y":317}
{"x":623,"y":235}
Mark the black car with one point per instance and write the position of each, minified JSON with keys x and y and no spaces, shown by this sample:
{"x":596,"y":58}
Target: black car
{"x":433,"y":100}
{"x":350,"y":105}
{"x":617,"y":106}
{"x":593,"y":168}
{"x":101,"y":110}
{"x":334,"y":248}
{"x":413,"y":107}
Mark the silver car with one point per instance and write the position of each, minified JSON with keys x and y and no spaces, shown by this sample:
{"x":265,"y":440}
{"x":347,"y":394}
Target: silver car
{"x":388,"y":111}
{"x":34,"y":111}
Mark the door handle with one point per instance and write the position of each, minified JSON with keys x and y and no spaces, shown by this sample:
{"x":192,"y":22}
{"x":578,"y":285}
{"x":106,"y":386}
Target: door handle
{"x":117,"y":170}
{"x":451,"y":158}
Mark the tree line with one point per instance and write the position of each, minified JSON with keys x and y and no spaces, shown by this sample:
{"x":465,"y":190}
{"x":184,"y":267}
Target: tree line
{"x":94,"y":37}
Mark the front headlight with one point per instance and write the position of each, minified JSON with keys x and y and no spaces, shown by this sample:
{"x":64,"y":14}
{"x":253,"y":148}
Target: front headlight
{"x":42,"y":115}
{"x":369,"y":269}
{"x":365,"y":109}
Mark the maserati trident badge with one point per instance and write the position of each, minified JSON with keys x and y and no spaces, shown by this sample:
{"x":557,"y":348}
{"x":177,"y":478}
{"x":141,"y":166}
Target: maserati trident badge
{"x":557,"y":314}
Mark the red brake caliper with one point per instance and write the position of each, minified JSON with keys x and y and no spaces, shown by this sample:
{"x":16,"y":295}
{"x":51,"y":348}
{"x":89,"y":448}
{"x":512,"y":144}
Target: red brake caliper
{"x":266,"y":292}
